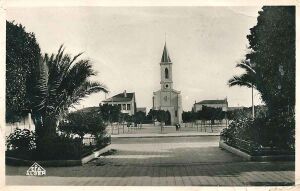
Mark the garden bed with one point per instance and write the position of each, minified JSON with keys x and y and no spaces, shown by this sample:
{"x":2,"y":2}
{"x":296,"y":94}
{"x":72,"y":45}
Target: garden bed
{"x":14,"y":161}
{"x":268,"y":155}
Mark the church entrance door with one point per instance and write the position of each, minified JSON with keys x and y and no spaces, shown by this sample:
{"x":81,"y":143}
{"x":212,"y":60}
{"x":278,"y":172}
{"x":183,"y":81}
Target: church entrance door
{"x":168,"y":121}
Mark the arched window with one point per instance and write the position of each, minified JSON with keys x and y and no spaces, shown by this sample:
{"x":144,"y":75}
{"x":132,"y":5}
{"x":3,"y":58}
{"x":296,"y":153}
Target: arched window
{"x":166,"y":73}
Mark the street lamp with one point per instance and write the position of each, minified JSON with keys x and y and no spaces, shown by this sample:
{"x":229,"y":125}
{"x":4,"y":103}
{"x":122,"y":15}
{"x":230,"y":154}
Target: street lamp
{"x":253,"y":113}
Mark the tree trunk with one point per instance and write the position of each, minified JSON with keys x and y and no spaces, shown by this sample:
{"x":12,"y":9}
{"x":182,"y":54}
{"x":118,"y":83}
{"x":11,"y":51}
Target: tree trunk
{"x":45,"y":128}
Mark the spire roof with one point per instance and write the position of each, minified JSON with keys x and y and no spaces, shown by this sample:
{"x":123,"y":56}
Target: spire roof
{"x":165,"y":56}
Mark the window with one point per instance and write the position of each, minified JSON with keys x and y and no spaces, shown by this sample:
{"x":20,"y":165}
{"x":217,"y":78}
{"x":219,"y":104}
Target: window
{"x":166,"y":73}
{"x":119,"y":105}
{"x":124,"y":107}
{"x":175,"y":113}
{"x":166,"y":98}
{"x":128,"y":107}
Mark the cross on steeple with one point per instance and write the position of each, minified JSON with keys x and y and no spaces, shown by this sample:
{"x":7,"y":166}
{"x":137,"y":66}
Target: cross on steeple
{"x":165,"y":56}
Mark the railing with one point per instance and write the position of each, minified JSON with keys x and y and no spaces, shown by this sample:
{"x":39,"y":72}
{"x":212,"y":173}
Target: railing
{"x":89,"y":141}
{"x":206,"y":126}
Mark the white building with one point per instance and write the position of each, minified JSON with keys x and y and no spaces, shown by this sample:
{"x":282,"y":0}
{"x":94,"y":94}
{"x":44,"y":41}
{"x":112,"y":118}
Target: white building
{"x":167,"y":98}
{"x":211,"y":103}
{"x":125,"y":101}
{"x":25,"y":123}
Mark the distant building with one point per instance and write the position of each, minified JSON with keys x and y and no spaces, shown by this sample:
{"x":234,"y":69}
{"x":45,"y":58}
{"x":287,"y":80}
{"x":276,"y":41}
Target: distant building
{"x":211,"y":103}
{"x":142,"y":109}
{"x":167,"y":98}
{"x":88,"y":109}
{"x":236,"y":108}
{"x":125,"y":101}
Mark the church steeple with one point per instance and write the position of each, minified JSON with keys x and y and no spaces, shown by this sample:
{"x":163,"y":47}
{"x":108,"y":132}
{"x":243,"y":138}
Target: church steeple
{"x":165,"y":56}
{"x":166,"y":70}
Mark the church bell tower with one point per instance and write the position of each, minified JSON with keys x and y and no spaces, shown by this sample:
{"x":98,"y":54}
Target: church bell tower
{"x":167,"y":98}
{"x":166,"y":70}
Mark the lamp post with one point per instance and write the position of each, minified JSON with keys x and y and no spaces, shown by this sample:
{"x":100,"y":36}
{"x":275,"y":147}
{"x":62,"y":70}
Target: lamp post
{"x":252,"y":91}
{"x":252,"y":103}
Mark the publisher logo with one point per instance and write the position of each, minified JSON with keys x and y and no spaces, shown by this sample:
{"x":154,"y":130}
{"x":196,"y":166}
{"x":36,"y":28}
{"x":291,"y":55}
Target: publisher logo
{"x":36,"y":170}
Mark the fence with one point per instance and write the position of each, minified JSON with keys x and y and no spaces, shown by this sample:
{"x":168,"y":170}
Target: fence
{"x":206,"y":126}
{"x":89,"y":141}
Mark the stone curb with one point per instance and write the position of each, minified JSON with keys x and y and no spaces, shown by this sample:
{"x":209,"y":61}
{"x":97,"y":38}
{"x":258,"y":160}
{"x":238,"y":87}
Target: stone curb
{"x":53,"y":163}
{"x":234,"y":151}
{"x":95,"y":154}
{"x":256,"y":158}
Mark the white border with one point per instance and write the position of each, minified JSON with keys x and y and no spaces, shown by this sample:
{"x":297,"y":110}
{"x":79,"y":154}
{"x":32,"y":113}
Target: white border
{"x":117,"y":3}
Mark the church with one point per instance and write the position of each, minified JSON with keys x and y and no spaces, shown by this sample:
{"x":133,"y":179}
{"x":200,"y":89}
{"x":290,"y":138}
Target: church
{"x":167,"y":98}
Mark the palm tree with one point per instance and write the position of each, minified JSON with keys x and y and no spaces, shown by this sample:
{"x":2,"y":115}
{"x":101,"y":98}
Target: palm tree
{"x":58,"y":82}
{"x":248,"y":79}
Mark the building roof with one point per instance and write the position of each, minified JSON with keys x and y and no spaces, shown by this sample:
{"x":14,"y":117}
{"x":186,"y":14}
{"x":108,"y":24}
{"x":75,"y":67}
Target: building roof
{"x":121,"y":97}
{"x":165,"y":56}
{"x":87,"y":109}
{"x":235,"y":108}
{"x":217,"y":101}
{"x":143,"y":109}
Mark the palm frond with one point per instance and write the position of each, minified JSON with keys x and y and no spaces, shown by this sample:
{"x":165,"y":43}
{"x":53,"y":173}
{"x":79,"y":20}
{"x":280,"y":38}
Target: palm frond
{"x":62,"y":81}
{"x":242,"y":80}
{"x":246,"y":67}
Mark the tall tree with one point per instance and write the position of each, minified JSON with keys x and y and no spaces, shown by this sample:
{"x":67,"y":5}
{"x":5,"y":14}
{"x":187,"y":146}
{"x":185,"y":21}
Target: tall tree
{"x":139,"y":117}
{"x":22,"y":54}
{"x":272,"y":57}
{"x":110,"y":113}
{"x":59,"y":81}
{"x":83,"y":122}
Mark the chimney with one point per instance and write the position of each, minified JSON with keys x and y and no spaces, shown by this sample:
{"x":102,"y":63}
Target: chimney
{"x":125,"y":94}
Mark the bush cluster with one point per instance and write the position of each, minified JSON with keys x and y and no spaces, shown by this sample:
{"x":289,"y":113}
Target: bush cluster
{"x":21,"y":144}
{"x":60,"y":148}
{"x":275,"y":132}
{"x":21,"y":139}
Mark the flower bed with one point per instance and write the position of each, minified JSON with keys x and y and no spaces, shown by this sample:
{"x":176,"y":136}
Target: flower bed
{"x":21,"y":145}
{"x":255,"y":149}
{"x":261,"y":136}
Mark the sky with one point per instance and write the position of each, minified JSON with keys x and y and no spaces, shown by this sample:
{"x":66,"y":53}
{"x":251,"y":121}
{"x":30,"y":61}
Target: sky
{"x":125,"y":45}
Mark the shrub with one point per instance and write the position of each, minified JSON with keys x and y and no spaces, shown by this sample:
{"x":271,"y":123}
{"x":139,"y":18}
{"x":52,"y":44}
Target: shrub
{"x":276,"y":132}
{"x":83,"y":122}
{"x":21,"y":144}
{"x":21,"y":139}
{"x":60,"y":148}
{"x":102,"y":140}
{"x":283,"y":130}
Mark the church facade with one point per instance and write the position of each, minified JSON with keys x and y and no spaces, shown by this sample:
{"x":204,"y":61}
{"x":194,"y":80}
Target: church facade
{"x":167,"y":98}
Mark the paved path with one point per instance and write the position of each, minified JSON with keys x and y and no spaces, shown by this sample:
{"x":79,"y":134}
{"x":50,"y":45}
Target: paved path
{"x":163,"y":161}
